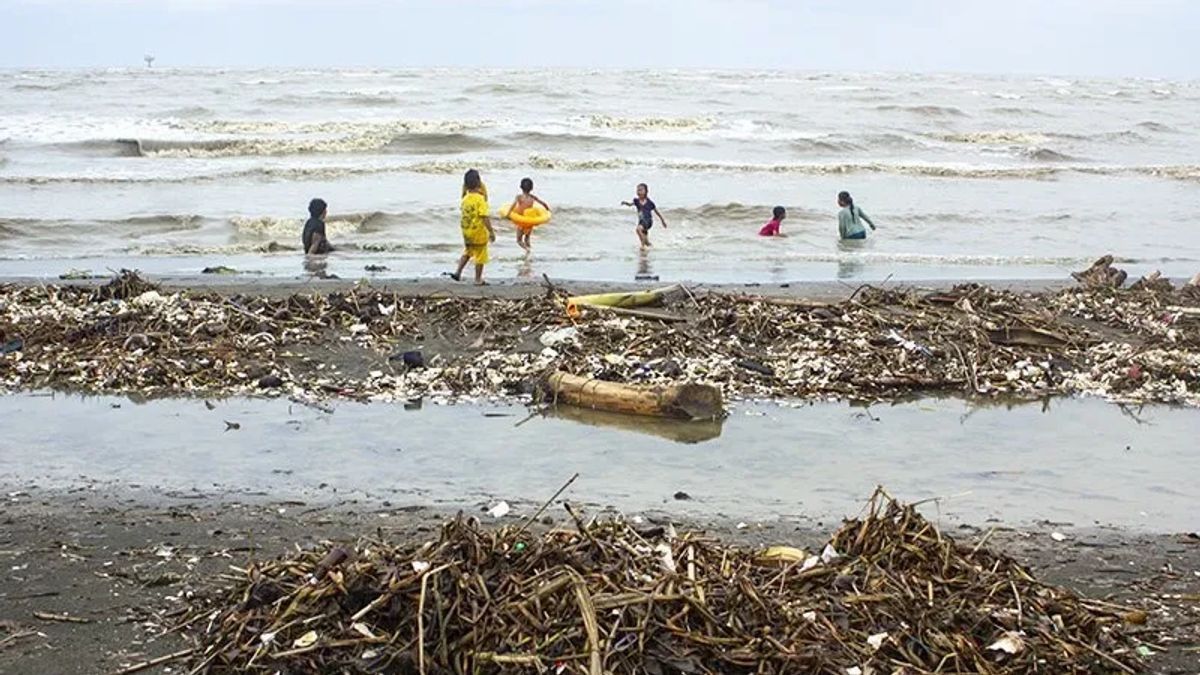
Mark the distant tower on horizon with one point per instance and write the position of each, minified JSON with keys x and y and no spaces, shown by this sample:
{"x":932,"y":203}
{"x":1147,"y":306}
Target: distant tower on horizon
{"x":149,"y":60}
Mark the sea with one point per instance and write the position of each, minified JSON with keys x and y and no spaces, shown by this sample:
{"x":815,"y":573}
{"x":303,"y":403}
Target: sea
{"x":967,"y":176}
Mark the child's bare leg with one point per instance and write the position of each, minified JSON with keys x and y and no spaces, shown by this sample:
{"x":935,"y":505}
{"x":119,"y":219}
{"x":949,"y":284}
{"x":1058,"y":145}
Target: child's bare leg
{"x":644,"y":237}
{"x":478,"y":274}
{"x":462,"y":265}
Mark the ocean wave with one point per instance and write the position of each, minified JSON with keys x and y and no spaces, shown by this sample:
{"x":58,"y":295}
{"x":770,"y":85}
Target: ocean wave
{"x":996,"y":137}
{"x":131,"y":227}
{"x":550,"y":163}
{"x":923,"y":110}
{"x":330,"y":128}
{"x":547,"y":163}
{"x":191,"y":111}
{"x":438,"y":143}
{"x":1047,"y":155}
{"x":223,"y":249}
{"x":1016,"y":110}
{"x":651,"y":123}
{"x":338,"y":224}
{"x":1157,"y":127}
{"x":503,"y":88}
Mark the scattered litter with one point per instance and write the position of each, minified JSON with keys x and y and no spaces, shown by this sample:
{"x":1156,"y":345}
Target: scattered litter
{"x":500,"y":510}
{"x":1135,"y":345}
{"x":1058,"y":536}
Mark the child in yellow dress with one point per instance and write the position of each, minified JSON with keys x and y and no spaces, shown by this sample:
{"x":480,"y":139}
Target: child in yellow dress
{"x":476,"y":227}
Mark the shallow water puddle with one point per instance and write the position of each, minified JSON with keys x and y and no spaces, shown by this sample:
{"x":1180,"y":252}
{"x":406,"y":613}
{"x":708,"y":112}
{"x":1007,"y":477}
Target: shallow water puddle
{"x":1077,"y":461}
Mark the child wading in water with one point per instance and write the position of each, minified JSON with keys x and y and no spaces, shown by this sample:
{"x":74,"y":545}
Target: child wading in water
{"x":521,"y":202}
{"x":477,"y":229}
{"x":851,"y":218}
{"x":646,"y":211}
{"x":771,"y":229}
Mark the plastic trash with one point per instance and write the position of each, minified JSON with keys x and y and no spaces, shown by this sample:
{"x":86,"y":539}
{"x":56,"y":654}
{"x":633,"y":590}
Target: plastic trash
{"x":558,"y":336}
{"x":500,"y":510}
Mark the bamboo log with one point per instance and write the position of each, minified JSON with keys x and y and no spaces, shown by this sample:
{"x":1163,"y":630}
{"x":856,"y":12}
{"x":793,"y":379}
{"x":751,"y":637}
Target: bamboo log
{"x":630,"y":299}
{"x":683,"y":401}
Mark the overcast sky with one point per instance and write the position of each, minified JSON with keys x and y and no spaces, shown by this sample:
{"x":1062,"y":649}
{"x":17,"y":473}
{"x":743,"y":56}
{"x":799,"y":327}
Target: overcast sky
{"x":1153,"y":38}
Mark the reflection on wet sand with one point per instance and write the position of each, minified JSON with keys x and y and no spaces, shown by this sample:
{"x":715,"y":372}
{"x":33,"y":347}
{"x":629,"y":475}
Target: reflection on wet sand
{"x":679,"y":431}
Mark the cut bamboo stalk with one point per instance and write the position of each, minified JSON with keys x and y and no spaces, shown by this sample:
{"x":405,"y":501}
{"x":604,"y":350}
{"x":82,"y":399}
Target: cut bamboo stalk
{"x":682,"y":401}
{"x":629,"y":299}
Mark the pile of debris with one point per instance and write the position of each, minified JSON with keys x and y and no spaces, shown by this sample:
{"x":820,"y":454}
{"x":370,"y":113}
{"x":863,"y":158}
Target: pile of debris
{"x":889,"y":594}
{"x":1135,"y":345}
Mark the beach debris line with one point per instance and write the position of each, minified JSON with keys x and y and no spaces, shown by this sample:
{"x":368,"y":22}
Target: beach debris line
{"x":889,"y":593}
{"x":1137,"y":344}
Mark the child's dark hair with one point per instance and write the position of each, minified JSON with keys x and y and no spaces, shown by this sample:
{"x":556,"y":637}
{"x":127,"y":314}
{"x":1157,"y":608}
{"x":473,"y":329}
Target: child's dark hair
{"x":644,"y":186}
{"x":779,"y":213}
{"x":317,"y":207}
{"x":471,"y":180}
{"x":846,"y":200}
{"x":526,"y":185}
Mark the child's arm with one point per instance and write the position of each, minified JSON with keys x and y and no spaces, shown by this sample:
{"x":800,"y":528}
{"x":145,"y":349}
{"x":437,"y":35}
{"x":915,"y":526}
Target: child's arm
{"x":866,"y":218}
{"x":628,"y":204}
{"x":539,"y":200}
{"x":487,"y":222}
{"x":660,"y":218}
{"x":314,"y":246}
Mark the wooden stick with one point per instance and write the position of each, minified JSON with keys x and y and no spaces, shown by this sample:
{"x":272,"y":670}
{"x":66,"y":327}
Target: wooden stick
{"x":64,"y":618}
{"x":138,"y":667}
{"x":539,"y":512}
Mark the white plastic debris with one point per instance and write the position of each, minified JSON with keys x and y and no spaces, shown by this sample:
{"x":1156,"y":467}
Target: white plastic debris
{"x":1058,"y":536}
{"x":854,"y":670}
{"x":559,"y":336}
{"x":666,"y":557}
{"x":876,"y":640}
{"x":307,"y":640}
{"x":1011,"y":643}
{"x":500,"y":510}
{"x":420,"y":566}
{"x":149,"y":299}
{"x":266,"y":638}
{"x":829,"y":554}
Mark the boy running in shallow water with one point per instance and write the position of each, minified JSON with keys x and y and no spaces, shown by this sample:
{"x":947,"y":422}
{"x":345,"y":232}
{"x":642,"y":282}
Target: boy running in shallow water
{"x":521,"y":202}
{"x":646,"y":211}
{"x":477,"y":229}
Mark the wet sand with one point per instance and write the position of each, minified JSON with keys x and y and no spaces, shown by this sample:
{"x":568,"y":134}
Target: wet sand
{"x":510,"y":288}
{"x":120,"y":561}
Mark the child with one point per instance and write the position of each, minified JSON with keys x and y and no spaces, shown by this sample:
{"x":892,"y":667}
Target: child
{"x":521,"y":202}
{"x":771,"y":229}
{"x":476,"y":227}
{"x":313,"y":236}
{"x":646,"y":212}
{"x":850,"y":218}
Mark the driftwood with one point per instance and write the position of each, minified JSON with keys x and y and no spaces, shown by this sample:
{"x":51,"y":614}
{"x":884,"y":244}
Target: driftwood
{"x":1102,"y":274}
{"x":680,"y":401}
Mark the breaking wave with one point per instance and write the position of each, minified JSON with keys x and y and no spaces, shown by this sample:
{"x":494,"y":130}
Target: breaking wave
{"x":923,"y":110}
{"x":651,"y":123}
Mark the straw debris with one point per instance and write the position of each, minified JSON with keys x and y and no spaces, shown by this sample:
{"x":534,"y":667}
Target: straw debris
{"x":889,"y":594}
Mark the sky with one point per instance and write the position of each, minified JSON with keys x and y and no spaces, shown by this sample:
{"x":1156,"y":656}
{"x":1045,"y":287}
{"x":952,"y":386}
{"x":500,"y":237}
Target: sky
{"x":1143,"y":38}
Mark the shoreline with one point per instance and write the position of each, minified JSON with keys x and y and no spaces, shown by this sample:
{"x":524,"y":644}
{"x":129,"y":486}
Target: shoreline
{"x":417,"y":287}
{"x":118,"y":564}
